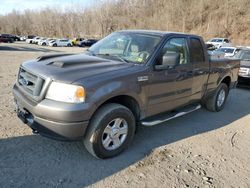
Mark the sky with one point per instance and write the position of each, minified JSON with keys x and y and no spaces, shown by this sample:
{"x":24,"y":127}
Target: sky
{"x":6,"y":6}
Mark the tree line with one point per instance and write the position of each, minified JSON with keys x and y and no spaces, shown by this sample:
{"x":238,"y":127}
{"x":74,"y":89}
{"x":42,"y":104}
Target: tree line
{"x":208,"y":18}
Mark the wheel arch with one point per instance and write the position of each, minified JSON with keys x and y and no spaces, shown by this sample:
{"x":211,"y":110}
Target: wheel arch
{"x":226,"y":80}
{"x":126,"y":100}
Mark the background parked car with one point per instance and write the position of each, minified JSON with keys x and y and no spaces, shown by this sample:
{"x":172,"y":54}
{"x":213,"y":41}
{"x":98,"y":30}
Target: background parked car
{"x":41,"y":39}
{"x":45,"y":42}
{"x":6,"y":38}
{"x":23,"y":38}
{"x":35,"y":40}
{"x":244,"y":72}
{"x":219,"y":42}
{"x":30,"y":38}
{"x":60,"y":42}
{"x":76,"y":41}
{"x":16,"y":37}
{"x":87,"y":42}
{"x":228,"y":51}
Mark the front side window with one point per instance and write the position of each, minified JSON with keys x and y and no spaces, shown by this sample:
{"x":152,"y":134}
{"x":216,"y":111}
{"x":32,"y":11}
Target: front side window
{"x":130,"y":47}
{"x":176,"y":47}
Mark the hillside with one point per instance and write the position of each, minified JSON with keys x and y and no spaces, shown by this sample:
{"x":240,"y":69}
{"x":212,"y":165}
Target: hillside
{"x":208,"y":18}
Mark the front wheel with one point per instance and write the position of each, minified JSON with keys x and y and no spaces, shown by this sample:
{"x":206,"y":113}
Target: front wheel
{"x":217,"y":101}
{"x":110,"y":132}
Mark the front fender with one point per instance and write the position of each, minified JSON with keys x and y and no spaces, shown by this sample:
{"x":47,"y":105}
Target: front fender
{"x":114,"y":89}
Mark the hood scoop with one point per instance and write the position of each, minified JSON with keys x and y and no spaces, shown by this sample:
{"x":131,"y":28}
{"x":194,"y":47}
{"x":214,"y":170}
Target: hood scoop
{"x":44,"y":57}
{"x":65,"y":64}
{"x":57,"y":64}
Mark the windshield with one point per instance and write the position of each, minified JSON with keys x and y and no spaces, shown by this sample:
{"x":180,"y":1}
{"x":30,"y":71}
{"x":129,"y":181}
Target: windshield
{"x":243,"y":55}
{"x":226,"y":50}
{"x":246,"y":55}
{"x":130,"y":47}
{"x":216,"y":40}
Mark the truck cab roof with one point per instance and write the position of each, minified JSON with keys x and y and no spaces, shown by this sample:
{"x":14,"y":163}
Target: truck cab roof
{"x":157,"y":32}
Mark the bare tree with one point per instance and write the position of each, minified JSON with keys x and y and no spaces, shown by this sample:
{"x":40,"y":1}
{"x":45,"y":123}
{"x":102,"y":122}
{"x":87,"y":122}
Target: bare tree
{"x":225,"y":18}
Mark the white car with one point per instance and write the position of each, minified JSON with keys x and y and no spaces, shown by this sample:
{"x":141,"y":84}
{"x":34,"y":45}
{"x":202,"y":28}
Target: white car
{"x":36,"y":40}
{"x":220,"y":42}
{"x":60,"y":42}
{"x":23,"y":38}
{"x":41,"y":39}
{"x":228,"y":51}
{"x":45,"y":42}
{"x":30,"y":39}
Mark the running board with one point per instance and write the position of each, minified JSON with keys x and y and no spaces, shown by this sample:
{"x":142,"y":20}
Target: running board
{"x":155,"y":122}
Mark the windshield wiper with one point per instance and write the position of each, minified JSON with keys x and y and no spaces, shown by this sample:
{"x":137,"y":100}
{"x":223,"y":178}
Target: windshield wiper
{"x":113,"y":55}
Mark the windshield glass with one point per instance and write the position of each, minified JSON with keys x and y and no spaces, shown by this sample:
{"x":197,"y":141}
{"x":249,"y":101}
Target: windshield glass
{"x":226,"y":50}
{"x":246,"y":55}
{"x":216,"y":40}
{"x":243,"y":55}
{"x":131,"y":47}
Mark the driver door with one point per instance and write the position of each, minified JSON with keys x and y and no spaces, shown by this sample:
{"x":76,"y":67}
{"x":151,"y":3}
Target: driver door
{"x":171,"y":86}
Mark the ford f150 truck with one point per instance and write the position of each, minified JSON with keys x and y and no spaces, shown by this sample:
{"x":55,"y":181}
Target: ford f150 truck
{"x":127,"y":79}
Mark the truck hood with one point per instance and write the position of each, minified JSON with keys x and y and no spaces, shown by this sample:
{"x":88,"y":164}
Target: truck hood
{"x":245,"y":63}
{"x":69,"y":68}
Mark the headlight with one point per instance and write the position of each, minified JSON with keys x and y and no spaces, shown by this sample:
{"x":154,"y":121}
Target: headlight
{"x":66,"y":93}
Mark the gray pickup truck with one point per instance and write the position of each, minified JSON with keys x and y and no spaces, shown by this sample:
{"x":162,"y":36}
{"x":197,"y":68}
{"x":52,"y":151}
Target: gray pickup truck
{"x":127,"y":79}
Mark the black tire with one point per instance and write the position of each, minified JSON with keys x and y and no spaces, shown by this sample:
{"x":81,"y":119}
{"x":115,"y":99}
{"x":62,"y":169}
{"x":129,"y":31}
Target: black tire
{"x":43,"y":44}
{"x":211,"y":103}
{"x":69,"y":45}
{"x":55,"y":45}
{"x":102,"y":118}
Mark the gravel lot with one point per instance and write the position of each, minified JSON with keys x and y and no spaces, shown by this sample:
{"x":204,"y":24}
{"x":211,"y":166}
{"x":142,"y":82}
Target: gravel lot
{"x":202,"y":149}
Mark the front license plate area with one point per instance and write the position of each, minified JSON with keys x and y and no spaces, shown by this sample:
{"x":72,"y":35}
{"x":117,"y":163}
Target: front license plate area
{"x":24,"y":115}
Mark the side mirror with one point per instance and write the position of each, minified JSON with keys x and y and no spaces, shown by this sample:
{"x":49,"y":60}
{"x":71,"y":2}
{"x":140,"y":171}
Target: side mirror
{"x":168,"y":61}
{"x":210,"y":47}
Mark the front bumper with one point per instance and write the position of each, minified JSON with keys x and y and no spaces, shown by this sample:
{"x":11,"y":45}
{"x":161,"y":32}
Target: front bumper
{"x":52,"y":129}
{"x":53,"y":119}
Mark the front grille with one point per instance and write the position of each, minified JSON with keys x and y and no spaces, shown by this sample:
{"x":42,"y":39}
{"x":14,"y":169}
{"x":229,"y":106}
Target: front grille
{"x":29,"y":82}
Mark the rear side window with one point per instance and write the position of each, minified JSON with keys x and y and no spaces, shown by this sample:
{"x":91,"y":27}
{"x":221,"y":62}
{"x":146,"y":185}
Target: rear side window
{"x":196,"y":51}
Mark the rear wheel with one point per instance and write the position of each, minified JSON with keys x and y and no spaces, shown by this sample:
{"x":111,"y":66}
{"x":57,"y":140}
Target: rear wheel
{"x":55,"y":45}
{"x":69,"y":45}
{"x":217,"y":101}
{"x":110,"y":132}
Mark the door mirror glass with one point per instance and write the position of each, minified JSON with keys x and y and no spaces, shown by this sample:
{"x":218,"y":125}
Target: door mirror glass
{"x":171,"y":59}
{"x":168,"y":61}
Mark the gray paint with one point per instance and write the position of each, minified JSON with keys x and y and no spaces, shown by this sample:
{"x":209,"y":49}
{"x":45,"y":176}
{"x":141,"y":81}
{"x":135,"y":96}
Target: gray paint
{"x":103,"y":79}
